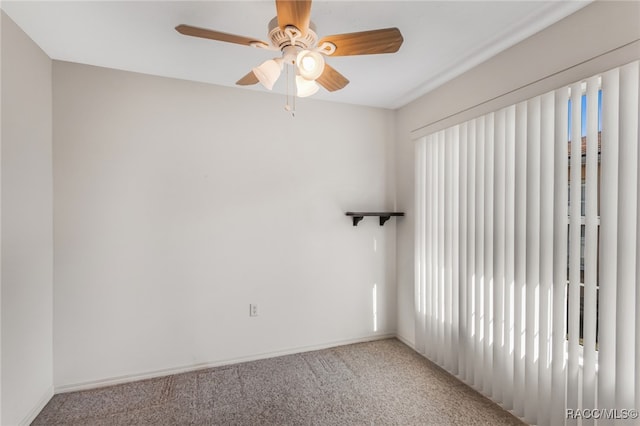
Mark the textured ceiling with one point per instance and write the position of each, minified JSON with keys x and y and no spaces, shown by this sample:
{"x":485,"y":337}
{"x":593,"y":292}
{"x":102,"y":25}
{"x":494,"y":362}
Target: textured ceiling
{"x":442,"y":38}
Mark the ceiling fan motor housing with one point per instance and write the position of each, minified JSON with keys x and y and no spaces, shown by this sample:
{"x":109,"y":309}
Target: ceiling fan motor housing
{"x":291,"y":36}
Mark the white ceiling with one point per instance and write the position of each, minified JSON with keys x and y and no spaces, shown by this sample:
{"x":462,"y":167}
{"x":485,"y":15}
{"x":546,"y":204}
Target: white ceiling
{"x":442,"y":39}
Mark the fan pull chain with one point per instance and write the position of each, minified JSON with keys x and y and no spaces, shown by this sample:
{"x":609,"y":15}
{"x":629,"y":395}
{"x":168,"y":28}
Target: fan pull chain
{"x":288,"y":106}
{"x":293,"y":90}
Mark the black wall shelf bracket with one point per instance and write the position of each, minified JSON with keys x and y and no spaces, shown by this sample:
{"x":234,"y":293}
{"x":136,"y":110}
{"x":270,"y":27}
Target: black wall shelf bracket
{"x":384,"y":216}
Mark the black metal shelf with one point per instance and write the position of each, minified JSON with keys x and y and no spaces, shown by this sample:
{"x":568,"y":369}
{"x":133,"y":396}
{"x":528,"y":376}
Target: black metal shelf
{"x":384,"y":216}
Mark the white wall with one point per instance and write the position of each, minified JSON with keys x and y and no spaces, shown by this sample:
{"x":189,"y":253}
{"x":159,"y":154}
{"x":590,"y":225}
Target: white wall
{"x":178,"y":204}
{"x":27,"y":230}
{"x":578,"y":46}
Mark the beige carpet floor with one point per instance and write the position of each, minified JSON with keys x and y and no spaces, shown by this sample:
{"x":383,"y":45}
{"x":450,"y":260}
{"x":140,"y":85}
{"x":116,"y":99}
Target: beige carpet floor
{"x":376,"y":383}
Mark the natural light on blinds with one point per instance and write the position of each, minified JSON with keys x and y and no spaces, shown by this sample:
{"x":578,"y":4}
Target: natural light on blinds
{"x":527,"y":256}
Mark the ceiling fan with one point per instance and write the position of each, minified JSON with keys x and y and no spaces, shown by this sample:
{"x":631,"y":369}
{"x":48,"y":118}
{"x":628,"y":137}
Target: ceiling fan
{"x":294,"y":34}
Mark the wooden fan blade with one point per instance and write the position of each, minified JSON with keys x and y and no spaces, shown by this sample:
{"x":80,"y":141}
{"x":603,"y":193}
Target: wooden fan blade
{"x":331,"y":79}
{"x":294,"y":12}
{"x":216,"y":35}
{"x":387,"y":40}
{"x":248,"y":79}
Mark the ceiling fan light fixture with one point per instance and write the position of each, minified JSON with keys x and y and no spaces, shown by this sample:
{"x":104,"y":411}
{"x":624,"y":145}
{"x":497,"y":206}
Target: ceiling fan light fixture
{"x":310,"y":64}
{"x":268,"y":72}
{"x":305,"y":87}
{"x":293,"y":34}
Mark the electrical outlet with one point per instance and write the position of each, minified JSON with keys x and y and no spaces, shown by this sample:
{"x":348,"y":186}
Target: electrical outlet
{"x":253,"y":310}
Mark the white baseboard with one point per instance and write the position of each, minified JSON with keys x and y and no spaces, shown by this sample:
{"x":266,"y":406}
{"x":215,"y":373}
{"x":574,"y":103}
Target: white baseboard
{"x":406,"y":341}
{"x":170,"y":371}
{"x":31,"y":416}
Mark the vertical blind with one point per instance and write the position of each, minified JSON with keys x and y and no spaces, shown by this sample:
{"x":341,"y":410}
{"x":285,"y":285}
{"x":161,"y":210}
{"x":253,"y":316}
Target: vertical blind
{"x":527,"y":252}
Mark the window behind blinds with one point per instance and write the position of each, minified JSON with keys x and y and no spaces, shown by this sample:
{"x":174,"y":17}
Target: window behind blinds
{"x":527,"y":257}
